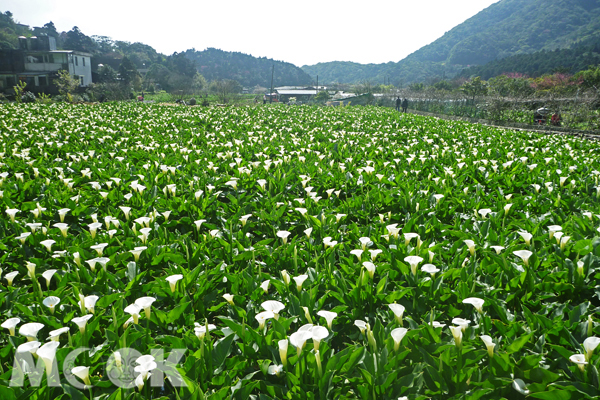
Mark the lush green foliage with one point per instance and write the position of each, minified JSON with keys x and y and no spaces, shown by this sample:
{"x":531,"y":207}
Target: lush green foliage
{"x":226,"y":91}
{"x":66,"y":83}
{"x":362,"y":209}
{"x":9,"y":31}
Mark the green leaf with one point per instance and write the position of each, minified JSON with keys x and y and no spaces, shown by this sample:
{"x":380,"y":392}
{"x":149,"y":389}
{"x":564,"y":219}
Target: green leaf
{"x":221,"y":350}
{"x":593,"y":371}
{"x":516,"y":345}
{"x":544,"y":376}
{"x":479,"y":393}
{"x":539,"y":345}
{"x":583,"y":247}
{"x":577,"y":312}
{"x":7,"y":393}
{"x":580,"y":387}
{"x":552,"y":395}
{"x":366,"y":375}
{"x":175,"y":313}
{"x":169,"y":257}
{"x":74,"y":393}
{"x":381,"y":285}
{"x":172,"y":341}
{"x":116,"y":395}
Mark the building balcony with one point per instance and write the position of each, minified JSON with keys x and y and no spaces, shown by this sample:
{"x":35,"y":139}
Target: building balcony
{"x":45,"y":67}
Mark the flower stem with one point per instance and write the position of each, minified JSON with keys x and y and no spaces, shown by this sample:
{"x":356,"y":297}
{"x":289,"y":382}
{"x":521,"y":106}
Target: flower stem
{"x":458,"y":368}
{"x":431,"y":292}
{"x":415,"y":297}
{"x":473,"y":277}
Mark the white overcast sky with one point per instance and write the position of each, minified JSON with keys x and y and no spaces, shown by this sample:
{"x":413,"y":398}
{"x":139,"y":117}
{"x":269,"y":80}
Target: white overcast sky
{"x":302,"y":32}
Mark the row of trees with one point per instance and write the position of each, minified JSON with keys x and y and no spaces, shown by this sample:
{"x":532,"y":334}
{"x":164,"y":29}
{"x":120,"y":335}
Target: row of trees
{"x":122,"y":83}
{"x":117,"y":84}
{"x":514,"y":97}
{"x":516,"y":85}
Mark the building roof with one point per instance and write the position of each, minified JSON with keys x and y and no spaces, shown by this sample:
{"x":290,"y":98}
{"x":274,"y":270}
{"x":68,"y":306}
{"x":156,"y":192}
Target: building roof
{"x":79,"y":53}
{"x":299,"y":88}
{"x":296,"y":92}
{"x":27,"y":73}
{"x":289,"y":87}
{"x":343,"y":95}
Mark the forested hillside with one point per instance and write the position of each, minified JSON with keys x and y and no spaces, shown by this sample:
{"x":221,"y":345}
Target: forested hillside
{"x":345,"y":71}
{"x":573,"y":60}
{"x":216,"y":64}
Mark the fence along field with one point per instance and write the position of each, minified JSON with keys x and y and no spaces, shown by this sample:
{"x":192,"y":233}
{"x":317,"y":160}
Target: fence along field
{"x":293,"y":252}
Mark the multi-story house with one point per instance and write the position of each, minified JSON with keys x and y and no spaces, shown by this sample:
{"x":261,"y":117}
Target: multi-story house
{"x":37,"y":63}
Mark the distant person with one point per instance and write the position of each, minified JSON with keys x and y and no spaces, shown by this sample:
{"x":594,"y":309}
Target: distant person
{"x":555,"y":120}
{"x":404,"y":104}
{"x":398,"y":103}
{"x":540,"y":115}
{"x":538,"y":119}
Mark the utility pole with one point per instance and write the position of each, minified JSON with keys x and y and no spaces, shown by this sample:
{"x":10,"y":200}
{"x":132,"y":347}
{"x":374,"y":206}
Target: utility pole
{"x":271,"y":92}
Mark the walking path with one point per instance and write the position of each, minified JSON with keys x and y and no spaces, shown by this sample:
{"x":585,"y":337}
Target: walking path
{"x":548,"y":130}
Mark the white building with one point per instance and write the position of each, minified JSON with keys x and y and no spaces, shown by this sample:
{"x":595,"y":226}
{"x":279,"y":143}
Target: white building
{"x":37,"y":63}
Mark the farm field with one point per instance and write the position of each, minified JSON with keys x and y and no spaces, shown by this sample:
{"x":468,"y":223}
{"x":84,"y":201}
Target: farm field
{"x":163,"y":252}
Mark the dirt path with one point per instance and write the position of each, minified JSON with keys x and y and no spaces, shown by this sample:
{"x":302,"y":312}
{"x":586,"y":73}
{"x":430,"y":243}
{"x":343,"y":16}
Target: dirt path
{"x":582,"y":135}
{"x":595,"y":136}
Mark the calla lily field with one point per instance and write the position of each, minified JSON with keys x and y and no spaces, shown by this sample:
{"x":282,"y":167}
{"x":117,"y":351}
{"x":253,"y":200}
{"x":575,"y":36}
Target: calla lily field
{"x":277,"y":252}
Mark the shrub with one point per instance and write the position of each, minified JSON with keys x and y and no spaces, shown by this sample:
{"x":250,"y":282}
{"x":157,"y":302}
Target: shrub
{"x":44,"y":98}
{"x":28,"y":97}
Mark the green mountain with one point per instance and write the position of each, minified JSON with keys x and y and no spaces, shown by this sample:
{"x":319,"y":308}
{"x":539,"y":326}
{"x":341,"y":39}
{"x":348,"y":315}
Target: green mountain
{"x":506,"y":28}
{"x":571,"y":60}
{"x":345,"y":71}
{"x":215,"y":64}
